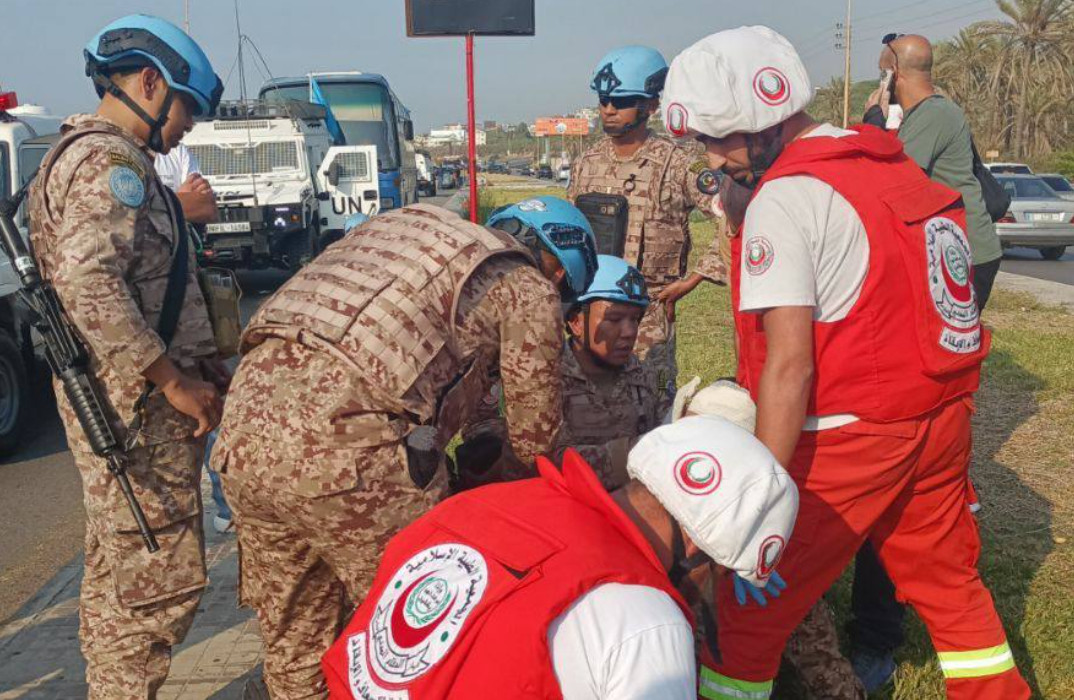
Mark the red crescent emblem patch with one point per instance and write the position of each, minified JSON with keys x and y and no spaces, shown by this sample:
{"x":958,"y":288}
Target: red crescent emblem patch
{"x":771,"y":86}
{"x":698,"y":473}
{"x":677,"y":120}
{"x":403,"y":633}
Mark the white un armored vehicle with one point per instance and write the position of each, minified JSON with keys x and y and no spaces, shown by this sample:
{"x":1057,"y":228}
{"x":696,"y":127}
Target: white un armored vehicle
{"x":283,"y":189}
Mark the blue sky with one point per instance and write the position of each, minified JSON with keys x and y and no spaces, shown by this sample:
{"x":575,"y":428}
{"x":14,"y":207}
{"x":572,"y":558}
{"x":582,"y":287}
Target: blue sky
{"x":517,"y":78}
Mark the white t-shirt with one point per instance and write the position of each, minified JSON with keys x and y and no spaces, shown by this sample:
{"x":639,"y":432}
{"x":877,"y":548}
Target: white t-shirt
{"x":623,"y":642}
{"x":804,"y":245}
{"x":176,"y":166}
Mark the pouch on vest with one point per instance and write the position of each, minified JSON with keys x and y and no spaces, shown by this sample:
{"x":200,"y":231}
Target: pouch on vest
{"x":608,"y":215}
{"x":222,"y":293}
{"x":930,"y":227}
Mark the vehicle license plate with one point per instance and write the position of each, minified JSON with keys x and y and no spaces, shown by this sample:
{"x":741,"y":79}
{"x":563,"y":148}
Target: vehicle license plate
{"x":1047,"y":216}
{"x":228,"y":227}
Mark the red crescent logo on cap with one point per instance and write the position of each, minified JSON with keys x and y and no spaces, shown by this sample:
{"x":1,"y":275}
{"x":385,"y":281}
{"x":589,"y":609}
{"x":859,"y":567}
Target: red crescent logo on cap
{"x":770,"y":553}
{"x":677,"y":119}
{"x":771,"y":86}
{"x":698,"y":473}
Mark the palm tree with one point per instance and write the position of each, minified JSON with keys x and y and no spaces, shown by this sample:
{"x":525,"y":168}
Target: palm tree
{"x":1036,"y":62}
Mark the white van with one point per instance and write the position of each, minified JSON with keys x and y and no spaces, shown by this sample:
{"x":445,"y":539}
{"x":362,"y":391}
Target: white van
{"x":26,"y":134}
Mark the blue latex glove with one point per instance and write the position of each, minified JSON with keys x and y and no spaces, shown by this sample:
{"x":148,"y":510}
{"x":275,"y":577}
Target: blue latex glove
{"x":773,"y":588}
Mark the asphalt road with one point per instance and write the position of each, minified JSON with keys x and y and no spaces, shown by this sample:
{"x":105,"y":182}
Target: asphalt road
{"x":1025,"y":261}
{"x":41,"y":514}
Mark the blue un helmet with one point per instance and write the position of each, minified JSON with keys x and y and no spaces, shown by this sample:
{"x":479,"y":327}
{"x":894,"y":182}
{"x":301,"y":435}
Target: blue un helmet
{"x":137,"y":41}
{"x":630,"y":71}
{"x":616,"y":281}
{"x":555,"y":225}
{"x":355,"y":220}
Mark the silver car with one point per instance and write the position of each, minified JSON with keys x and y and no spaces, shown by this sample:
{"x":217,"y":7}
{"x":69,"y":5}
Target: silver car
{"x":1038,"y":217}
{"x":1060,"y":184}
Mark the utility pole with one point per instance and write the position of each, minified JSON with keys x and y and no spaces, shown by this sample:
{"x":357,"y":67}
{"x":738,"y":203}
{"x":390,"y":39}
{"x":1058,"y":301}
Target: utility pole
{"x":846,"y":69}
{"x":186,"y":16}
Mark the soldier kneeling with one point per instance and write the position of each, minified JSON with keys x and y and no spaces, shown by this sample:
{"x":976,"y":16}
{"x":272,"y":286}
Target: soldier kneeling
{"x":608,"y":397}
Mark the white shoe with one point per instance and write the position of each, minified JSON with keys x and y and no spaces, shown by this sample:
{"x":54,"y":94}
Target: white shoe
{"x":222,"y":525}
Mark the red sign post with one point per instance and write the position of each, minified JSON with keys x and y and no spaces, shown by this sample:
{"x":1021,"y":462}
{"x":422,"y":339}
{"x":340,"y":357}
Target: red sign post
{"x":471,"y":128}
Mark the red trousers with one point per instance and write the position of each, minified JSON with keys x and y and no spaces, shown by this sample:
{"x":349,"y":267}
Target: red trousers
{"x":903,"y":485}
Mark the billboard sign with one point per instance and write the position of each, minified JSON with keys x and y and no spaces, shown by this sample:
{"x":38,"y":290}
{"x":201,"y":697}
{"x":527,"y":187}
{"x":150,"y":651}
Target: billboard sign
{"x":562,"y":126}
{"x":462,"y":17}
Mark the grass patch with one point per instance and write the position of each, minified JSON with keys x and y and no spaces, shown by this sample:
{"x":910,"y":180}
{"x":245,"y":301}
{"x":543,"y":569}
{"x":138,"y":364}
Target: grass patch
{"x":1023,"y":467}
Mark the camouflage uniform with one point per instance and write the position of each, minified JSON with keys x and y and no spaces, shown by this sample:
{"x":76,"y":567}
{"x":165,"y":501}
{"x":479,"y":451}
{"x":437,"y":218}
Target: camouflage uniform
{"x":661,"y":193}
{"x":396,"y":326}
{"x":604,"y":416}
{"x":103,"y":231}
{"x":813,"y":650}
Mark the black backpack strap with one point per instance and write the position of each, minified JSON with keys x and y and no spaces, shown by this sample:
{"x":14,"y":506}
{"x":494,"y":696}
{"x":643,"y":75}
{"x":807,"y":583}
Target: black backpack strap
{"x":175,"y":292}
{"x":174,"y":296}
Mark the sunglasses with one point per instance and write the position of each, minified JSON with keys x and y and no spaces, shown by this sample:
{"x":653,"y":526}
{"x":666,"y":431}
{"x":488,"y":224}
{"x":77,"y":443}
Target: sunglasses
{"x":890,"y":37}
{"x":629,"y":102}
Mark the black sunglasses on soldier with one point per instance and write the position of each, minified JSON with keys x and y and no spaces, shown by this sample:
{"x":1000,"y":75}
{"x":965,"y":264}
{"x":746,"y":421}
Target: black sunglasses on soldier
{"x":627,"y":102}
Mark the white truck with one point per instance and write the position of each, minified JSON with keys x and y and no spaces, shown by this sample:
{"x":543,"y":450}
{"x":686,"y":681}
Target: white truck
{"x":26,"y":134}
{"x":283,"y":190}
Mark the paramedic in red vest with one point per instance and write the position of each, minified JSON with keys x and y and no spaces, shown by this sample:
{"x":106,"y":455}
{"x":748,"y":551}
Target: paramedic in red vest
{"x":859,"y":340}
{"x":520,"y":589}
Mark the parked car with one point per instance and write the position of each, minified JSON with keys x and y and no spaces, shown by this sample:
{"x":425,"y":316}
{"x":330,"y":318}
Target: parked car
{"x":1038,"y":217}
{"x":1060,"y":184}
{"x":564,"y":173}
{"x":1009,"y":168}
{"x":545,"y":172}
{"x":448,"y":178}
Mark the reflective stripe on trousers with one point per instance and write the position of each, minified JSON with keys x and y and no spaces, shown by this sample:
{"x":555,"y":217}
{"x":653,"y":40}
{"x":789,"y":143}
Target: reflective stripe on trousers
{"x":976,"y":662}
{"x":719,"y":687}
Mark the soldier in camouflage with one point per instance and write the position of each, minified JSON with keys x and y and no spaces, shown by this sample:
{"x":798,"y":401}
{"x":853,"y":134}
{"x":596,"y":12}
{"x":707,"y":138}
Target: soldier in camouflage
{"x":104,"y":229}
{"x":660,"y":183}
{"x":356,"y":374}
{"x":608,"y":401}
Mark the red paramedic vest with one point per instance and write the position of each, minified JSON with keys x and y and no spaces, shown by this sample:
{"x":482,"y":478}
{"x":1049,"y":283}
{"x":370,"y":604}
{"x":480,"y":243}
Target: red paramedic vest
{"x":913,"y":341}
{"x":464,"y":596}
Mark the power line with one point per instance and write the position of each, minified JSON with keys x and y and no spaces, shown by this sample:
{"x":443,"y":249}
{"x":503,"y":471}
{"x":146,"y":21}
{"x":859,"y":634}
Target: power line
{"x":947,"y":20}
{"x":936,"y":13}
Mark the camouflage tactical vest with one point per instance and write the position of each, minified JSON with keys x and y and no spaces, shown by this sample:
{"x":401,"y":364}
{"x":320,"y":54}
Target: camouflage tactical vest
{"x":385,"y":300}
{"x":658,"y":244}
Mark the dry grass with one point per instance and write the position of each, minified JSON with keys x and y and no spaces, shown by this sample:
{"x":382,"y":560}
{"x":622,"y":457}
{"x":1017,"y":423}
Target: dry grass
{"x":1023,"y":467}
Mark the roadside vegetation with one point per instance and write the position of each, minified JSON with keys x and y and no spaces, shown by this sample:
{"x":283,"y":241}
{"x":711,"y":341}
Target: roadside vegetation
{"x":1023,"y":467}
{"x":1013,"y":77}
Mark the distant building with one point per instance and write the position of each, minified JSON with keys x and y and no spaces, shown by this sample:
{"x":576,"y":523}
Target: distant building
{"x":491,"y":126}
{"x":590,"y":114}
{"x":452,"y":133}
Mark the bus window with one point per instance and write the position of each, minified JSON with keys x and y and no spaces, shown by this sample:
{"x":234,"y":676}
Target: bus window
{"x":364,"y":112}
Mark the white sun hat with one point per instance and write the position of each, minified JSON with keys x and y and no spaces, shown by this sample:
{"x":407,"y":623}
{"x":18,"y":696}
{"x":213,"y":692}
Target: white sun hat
{"x":724,"y":487}
{"x":736,"y":81}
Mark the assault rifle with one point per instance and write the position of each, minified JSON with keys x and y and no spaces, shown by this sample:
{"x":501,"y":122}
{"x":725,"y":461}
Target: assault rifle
{"x":68,"y":358}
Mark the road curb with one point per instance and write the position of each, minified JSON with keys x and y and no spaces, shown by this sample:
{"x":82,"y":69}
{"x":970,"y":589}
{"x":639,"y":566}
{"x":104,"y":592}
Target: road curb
{"x":1045,"y":291}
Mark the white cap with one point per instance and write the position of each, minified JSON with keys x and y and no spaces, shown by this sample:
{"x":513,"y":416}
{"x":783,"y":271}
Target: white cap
{"x":724,"y":487}
{"x":737,"y":81}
